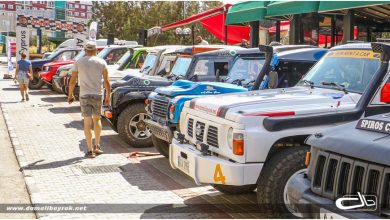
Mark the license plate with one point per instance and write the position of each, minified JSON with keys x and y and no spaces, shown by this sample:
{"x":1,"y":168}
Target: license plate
{"x":183,"y":164}
{"x":159,"y":132}
{"x":325,"y":214}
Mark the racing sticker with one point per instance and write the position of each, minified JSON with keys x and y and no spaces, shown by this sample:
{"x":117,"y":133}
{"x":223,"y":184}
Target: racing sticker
{"x":374,"y":125}
{"x":359,"y":54}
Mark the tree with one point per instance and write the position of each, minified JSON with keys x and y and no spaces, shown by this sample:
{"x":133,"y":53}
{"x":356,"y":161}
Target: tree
{"x":126,"y":19}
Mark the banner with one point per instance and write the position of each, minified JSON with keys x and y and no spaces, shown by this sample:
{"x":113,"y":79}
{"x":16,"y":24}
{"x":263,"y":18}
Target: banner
{"x":93,"y":31}
{"x":9,"y":56}
{"x":37,"y":13}
{"x":22,"y":41}
{"x":79,"y":40}
{"x":50,"y":24}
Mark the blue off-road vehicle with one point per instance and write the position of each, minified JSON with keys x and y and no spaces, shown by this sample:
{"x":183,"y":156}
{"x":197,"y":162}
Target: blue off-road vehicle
{"x":252,"y":69}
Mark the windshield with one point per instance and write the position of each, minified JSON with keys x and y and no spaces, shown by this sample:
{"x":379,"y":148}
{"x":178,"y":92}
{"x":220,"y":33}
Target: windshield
{"x":149,"y":63}
{"x":54,"y":54}
{"x":124,"y":58}
{"x":245,"y":69}
{"x":112,"y":55}
{"x":181,"y":66}
{"x":79,"y":55}
{"x":349,"y":69}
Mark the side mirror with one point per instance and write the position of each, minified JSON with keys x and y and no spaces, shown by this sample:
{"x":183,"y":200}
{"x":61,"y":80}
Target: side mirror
{"x":194,"y":78}
{"x":273,"y":80}
{"x":385,"y":93}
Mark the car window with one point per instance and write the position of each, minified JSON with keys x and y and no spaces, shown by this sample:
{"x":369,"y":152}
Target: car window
{"x":204,"y":68}
{"x":181,"y":66}
{"x":245,"y":69}
{"x":66,"y":55}
{"x":351,"y":69}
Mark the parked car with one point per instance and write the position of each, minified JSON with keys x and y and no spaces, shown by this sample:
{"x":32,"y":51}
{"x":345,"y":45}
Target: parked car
{"x":166,"y":103}
{"x":111,"y":54}
{"x":256,"y":140}
{"x":37,"y":65}
{"x":49,"y":69}
{"x":128,"y":102}
{"x":346,"y":162}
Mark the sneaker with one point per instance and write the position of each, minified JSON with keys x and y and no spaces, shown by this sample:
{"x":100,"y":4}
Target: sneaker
{"x":90,"y":154}
{"x":27,"y":98}
{"x":97,"y":149}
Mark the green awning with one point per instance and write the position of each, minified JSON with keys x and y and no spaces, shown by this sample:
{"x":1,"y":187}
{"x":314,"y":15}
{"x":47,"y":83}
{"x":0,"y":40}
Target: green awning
{"x":283,"y":8}
{"x":246,"y":12}
{"x":326,"y":6}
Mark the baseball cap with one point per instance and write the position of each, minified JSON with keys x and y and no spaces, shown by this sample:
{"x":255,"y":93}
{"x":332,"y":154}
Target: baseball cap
{"x":90,"y":45}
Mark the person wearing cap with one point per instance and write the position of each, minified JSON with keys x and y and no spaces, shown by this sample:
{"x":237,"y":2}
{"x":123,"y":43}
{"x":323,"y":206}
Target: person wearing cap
{"x":90,"y":70}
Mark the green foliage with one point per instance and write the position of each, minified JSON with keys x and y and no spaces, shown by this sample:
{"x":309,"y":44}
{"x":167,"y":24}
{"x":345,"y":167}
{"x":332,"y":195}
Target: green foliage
{"x":126,"y":18}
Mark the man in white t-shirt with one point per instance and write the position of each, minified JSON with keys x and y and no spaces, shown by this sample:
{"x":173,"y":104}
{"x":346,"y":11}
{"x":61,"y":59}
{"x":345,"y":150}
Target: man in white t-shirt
{"x":90,"y":70}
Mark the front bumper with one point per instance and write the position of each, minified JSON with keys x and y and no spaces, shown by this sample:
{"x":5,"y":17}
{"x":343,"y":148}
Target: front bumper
{"x":311,"y":205}
{"x":211,"y":169}
{"x":160,"y":131}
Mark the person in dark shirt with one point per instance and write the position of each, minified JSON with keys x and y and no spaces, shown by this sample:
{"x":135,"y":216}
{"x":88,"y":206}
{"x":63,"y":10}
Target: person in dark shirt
{"x":23,"y":74}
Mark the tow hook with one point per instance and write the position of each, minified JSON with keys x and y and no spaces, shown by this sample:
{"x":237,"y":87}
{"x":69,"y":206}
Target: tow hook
{"x":204,"y":148}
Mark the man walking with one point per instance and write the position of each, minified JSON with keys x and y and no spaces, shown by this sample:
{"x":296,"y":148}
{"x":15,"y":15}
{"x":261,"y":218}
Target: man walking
{"x":90,"y":70}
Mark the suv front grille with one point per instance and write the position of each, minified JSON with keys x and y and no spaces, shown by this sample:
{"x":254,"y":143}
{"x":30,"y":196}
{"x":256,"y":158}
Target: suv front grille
{"x":203,"y":132}
{"x":160,"y":107}
{"x":335,"y":176}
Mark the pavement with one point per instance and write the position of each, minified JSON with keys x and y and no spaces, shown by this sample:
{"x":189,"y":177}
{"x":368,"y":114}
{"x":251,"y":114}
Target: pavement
{"x":48,"y":140}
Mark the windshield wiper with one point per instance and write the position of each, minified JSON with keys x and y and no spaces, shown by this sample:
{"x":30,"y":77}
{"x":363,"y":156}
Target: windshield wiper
{"x":334,"y":84}
{"x":308,"y":82}
{"x":142,"y":71}
{"x":238,"y":82}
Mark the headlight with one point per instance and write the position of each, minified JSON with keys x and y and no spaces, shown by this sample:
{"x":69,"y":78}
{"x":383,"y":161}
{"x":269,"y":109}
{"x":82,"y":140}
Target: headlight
{"x":230,"y":138}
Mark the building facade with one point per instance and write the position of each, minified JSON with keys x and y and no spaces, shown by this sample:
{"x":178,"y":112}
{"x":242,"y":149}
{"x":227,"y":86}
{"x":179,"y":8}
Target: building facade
{"x":79,"y":11}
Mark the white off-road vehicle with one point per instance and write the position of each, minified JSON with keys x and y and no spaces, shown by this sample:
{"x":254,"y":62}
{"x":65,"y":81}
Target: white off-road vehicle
{"x":256,"y":140}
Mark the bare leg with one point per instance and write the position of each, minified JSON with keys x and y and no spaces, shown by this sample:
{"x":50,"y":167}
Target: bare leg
{"x":88,"y":132}
{"x":21,"y":87}
{"x":26,"y":91}
{"x":97,"y":128}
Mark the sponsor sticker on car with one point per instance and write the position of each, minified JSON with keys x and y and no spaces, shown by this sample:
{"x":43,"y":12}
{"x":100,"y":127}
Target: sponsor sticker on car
{"x":374,"y":125}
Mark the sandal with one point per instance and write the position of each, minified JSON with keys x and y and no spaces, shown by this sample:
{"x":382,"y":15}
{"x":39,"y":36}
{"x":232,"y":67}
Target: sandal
{"x":97,"y":150}
{"x":90,"y":154}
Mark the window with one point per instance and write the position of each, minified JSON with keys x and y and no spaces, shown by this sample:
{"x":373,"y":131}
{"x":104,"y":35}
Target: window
{"x":2,"y":6}
{"x":82,"y":14}
{"x":10,"y":14}
{"x":82,"y":6}
{"x":89,"y":8}
{"x":76,"y":13}
{"x":66,"y":55}
{"x":19,"y":7}
{"x":70,"y":6}
{"x":76,"y":6}
{"x":35,"y":8}
{"x":89,"y":16}
{"x":69,"y":13}
{"x":10,"y":6}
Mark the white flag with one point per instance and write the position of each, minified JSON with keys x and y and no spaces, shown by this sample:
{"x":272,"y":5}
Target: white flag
{"x":9,"y":56}
{"x":93,"y":31}
{"x":22,"y":42}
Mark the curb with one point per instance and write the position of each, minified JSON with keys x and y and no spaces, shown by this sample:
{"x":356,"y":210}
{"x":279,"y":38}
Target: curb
{"x":33,"y":190}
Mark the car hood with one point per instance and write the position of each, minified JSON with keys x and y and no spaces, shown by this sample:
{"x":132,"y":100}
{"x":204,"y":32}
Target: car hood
{"x":185,"y":87}
{"x":300,"y":100}
{"x":59,"y":63}
{"x":120,"y":74}
{"x":352,"y":141}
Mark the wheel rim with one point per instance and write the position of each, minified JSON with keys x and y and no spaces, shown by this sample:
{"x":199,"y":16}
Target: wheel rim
{"x":286,"y":199}
{"x":138,"y":127}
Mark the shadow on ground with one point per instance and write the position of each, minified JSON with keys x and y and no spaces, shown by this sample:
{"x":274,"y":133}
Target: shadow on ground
{"x":55,"y":164}
{"x":65,"y":110}
{"x":54,"y":99}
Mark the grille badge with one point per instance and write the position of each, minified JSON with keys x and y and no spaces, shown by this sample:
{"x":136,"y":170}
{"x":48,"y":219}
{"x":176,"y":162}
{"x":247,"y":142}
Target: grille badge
{"x":198,"y":130}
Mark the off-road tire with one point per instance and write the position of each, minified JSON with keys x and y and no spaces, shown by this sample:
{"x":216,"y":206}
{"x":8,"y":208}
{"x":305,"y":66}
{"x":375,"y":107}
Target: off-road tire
{"x":234,"y":190}
{"x":274,"y":176}
{"x":161,"y":146}
{"x":123,"y":129}
{"x":56,"y":89}
{"x":50,"y":87}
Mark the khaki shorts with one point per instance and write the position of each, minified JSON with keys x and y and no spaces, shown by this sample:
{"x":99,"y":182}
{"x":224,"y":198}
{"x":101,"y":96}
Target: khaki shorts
{"x":23,"y":80}
{"x":91,"y":105}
